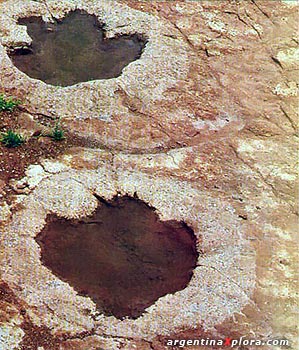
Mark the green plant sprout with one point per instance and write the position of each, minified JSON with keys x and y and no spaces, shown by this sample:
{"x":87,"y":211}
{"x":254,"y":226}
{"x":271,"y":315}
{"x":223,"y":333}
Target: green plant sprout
{"x":8,"y":103}
{"x":11,"y":139}
{"x":57,"y":133}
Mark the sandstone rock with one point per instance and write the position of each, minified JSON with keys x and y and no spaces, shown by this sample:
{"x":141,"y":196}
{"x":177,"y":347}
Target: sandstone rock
{"x":29,"y":126}
{"x":10,"y":320}
{"x":4,"y":212}
{"x":205,"y":131}
{"x":10,"y":336}
{"x":68,"y":194}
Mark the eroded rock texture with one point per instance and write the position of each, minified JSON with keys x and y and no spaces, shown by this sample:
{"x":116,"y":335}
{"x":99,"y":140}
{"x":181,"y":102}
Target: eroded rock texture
{"x":203,"y":128}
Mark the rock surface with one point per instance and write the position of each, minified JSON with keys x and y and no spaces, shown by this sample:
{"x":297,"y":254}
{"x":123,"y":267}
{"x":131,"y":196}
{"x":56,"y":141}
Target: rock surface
{"x":205,"y":132}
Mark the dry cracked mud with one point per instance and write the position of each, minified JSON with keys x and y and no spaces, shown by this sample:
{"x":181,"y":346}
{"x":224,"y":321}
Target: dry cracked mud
{"x":203,"y":127}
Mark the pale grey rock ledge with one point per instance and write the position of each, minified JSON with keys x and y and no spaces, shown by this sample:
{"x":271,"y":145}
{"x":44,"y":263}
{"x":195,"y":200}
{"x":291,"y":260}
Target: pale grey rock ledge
{"x":163,"y":63}
{"x":222,"y":283}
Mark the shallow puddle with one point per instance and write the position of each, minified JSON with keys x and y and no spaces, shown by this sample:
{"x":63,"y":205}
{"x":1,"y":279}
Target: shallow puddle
{"x":74,"y":50}
{"x":123,"y":257}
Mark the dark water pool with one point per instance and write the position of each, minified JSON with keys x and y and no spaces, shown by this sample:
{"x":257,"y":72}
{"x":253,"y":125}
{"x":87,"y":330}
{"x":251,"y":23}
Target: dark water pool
{"x":74,"y":50}
{"x":123,"y":257}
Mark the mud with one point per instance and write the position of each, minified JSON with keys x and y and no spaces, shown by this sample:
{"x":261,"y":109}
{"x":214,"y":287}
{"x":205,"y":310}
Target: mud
{"x":74,"y":50}
{"x":123,"y":257}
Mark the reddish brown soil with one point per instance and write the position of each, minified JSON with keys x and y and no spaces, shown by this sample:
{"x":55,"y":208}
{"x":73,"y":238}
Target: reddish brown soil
{"x":14,"y":161}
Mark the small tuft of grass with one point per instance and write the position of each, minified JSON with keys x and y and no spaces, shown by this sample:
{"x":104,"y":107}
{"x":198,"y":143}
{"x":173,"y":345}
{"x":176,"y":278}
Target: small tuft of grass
{"x":8,"y":103}
{"x":11,"y":139}
{"x":57,"y":133}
